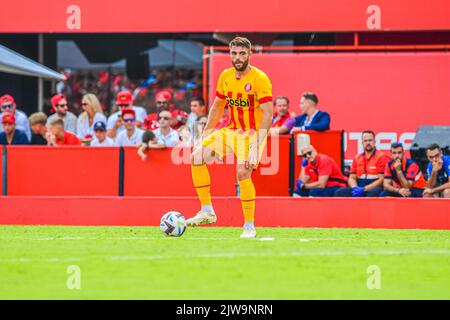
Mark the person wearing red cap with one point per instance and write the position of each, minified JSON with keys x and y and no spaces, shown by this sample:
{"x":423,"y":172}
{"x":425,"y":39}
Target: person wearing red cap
{"x":8,"y":106}
{"x":115,"y":124}
{"x":164,"y":103}
{"x":61,"y":111}
{"x":57,"y":136}
{"x":11,"y":135}
{"x":132,"y":135}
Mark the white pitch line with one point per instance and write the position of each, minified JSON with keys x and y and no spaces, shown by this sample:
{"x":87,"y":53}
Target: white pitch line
{"x":239,"y":255}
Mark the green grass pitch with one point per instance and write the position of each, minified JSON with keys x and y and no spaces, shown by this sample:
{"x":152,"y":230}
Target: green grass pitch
{"x":213,"y":263}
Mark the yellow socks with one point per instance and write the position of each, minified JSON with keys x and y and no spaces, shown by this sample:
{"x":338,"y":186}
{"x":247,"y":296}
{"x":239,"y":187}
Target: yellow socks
{"x":248,"y":195}
{"x":202,"y":182}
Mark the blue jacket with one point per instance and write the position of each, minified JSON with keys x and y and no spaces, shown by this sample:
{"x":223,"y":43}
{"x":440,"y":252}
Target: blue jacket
{"x":19,"y":138}
{"x":320,"y":122}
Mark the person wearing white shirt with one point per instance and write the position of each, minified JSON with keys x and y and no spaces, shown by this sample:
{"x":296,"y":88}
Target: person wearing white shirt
{"x":165,"y":134}
{"x":92,"y":113}
{"x":132,"y":135}
{"x":197,"y":109}
{"x":115,"y":123}
{"x":101,"y":140}
{"x":8,"y":105}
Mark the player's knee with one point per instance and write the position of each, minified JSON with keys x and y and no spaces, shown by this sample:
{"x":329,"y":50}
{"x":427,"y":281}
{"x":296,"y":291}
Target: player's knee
{"x":243,"y":173}
{"x":446,"y":193}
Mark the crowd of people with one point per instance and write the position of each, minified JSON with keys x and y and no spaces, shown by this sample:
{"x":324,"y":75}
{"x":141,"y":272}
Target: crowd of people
{"x":373,"y":173}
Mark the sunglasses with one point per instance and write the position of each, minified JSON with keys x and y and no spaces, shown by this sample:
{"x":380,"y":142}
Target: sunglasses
{"x":129,"y":120}
{"x":65,"y":105}
{"x":162,"y":102}
{"x":7,"y":106}
{"x":84,"y":104}
{"x":122,"y":105}
{"x":309,"y":153}
{"x":201,"y":123}
{"x":164,"y":118}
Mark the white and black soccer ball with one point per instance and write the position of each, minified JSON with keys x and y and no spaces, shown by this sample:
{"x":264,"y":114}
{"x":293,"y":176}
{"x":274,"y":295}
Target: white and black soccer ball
{"x":173,"y":224}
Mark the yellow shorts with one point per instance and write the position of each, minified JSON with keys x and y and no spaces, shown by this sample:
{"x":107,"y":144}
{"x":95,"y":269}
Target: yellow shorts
{"x":226,"y":141}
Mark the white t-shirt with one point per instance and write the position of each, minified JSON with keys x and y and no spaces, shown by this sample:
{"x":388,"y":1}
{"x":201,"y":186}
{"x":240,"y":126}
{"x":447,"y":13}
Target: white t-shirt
{"x":122,"y":139}
{"x":170,"y":140}
{"x":141,"y":114}
{"x":83,"y":127}
{"x":108,"y":142}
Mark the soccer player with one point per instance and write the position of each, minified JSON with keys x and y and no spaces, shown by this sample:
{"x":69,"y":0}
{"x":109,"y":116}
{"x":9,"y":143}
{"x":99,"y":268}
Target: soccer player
{"x":247,"y":92}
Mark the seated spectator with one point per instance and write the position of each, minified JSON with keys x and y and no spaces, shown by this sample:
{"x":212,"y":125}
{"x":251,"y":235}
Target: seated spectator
{"x":186,"y":137}
{"x":367,"y":171}
{"x":164,"y":103}
{"x":93,"y":113}
{"x":165,"y":135}
{"x":326,"y":171}
{"x":11,"y":135}
{"x":57,"y":136}
{"x":149,"y":141}
{"x":198,"y":129}
{"x":282,"y":121}
{"x":61,"y":111}
{"x":132,"y":135}
{"x":312,"y":118}
{"x":179,"y":118}
{"x":438,"y":171}
{"x":198,"y":109}
{"x":402,"y":177}
{"x":124,"y":100}
{"x":101,"y":140}
{"x":8,"y":105}
{"x":38,"y":122}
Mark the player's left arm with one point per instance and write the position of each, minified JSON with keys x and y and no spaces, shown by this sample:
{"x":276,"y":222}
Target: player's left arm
{"x":261,"y":135}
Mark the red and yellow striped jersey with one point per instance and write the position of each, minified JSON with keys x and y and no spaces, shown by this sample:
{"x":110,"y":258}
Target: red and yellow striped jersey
{"x":244,"y":97}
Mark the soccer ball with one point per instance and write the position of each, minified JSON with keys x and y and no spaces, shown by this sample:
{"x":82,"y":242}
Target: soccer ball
{"x":173,"y":224}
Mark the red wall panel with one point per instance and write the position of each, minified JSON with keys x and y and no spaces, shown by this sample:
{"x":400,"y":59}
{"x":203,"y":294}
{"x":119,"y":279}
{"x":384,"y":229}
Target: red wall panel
{"x":210,"y":16}
{"x":1,"y":170}
{"x":62,"y":171}
{"x":390,"y":93}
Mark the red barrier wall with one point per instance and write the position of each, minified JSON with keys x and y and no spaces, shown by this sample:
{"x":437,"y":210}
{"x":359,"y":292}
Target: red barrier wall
{"x":209,"y":16}
{"x":1,"y":170}
{"x":387,"y":213}
{"x":378,"y":91}
{"x":327,"y":142}
{"x":62,"y":171}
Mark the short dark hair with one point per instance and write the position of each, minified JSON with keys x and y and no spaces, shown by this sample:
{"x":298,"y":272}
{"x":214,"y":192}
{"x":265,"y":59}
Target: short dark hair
{"x":241,"y":42}
{"x":368,"y":132}
{"x":281,"y":98}
{"x":199,"y":100}
{"x":433,"y":146}
{"x":148,"y":136}
{"x":395,"y":145}
{"x":311,"y":96}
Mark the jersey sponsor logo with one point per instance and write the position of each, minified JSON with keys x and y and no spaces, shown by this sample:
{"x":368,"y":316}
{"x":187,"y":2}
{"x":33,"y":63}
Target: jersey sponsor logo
{"x":248,"y":87}
{"x":238,"y":102}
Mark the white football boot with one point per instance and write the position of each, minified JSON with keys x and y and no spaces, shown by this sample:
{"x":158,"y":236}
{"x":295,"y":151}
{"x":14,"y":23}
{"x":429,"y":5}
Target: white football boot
{"x":248,"y":233}
{"x":202,"y":217}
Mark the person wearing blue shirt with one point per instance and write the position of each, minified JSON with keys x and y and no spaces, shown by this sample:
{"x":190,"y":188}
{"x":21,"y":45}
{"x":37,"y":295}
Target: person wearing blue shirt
{"x":312,"y":118}
{"x":11,"y":135}
{"x":438,"y":172}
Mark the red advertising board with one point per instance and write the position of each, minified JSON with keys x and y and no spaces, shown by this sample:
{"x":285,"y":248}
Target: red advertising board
{"x":390,"y":93}
{"x":48,"y":16}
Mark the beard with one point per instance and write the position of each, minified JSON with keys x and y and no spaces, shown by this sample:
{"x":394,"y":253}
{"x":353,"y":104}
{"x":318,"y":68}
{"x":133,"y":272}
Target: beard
{"x":242,"y":67}
{"x":368,"y":148}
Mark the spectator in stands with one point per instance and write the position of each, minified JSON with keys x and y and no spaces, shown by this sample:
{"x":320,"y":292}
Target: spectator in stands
{"x":149,"y":141}
{"x":198,"y":109}
{"x":61,"y":111}
{"x":11,"y":135}
{"x":115,"y":125}
{"x":92,"y":113}
{"x":282,"y":121}
{"x":8,"y":105}
{"x":438,"y":171}
{"x":367,"y":170}
{"x":186,"y":137}
{"x":165,"y":135}
{"x":179,"y":118}
{"x":101,"y":140}
{"x":326,"y":171}
{"x":312,"y":118}
{"x":402,"y":177}
{"x":163,"y":103}
{"x":38,"y":122}
{"x":57,"y":136}
{"x":132,"y":135}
